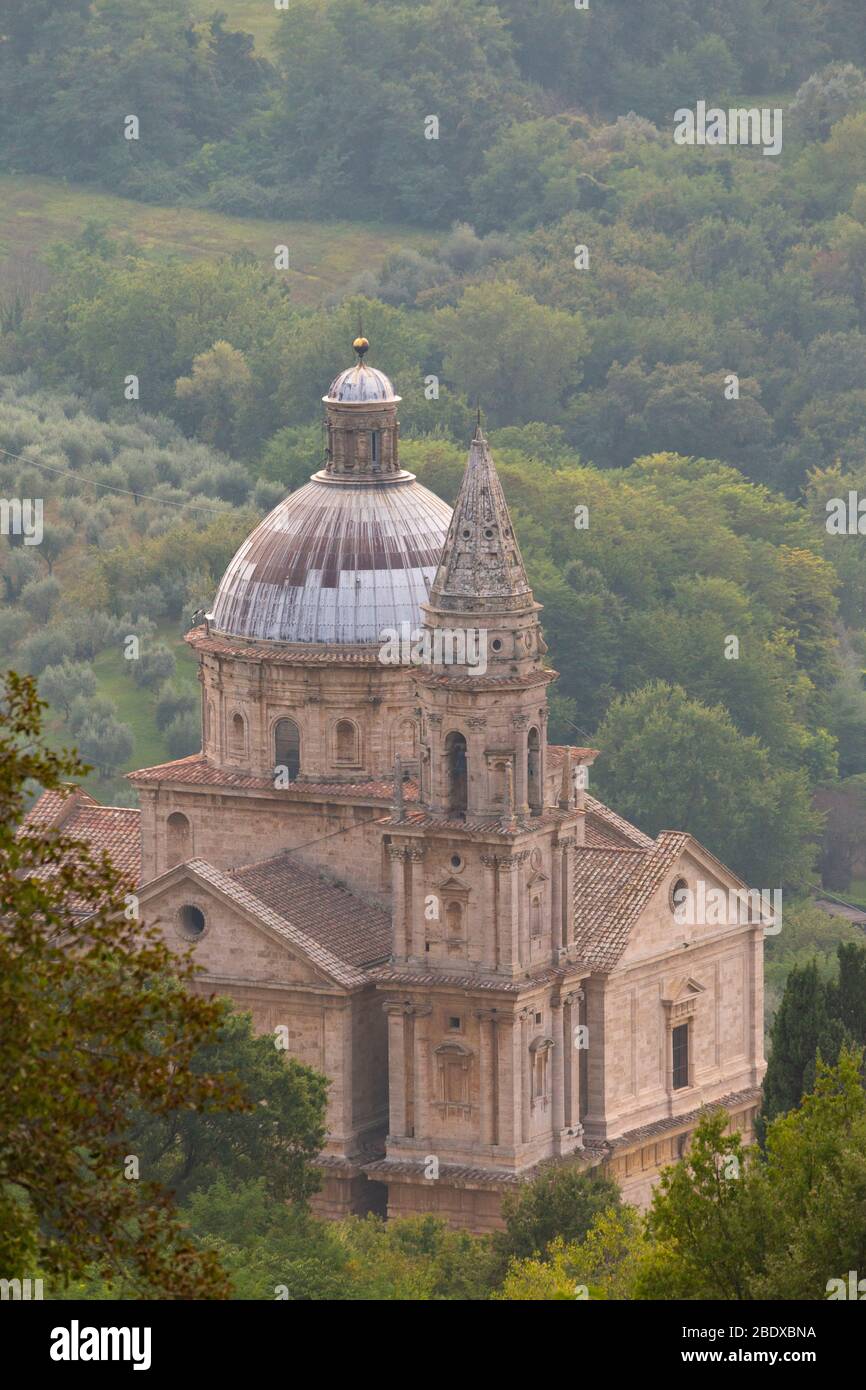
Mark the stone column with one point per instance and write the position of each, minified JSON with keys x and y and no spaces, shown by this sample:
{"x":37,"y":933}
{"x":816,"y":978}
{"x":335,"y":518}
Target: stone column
{"x":509,"y":919}
{"x":521,"y":789}
{"x":556,"y":940}
{"x":436,"y":789}
{"x":421,"y":1070}
{"x":522,"y":908}
{"x":560,"y":1041}
{"x":396,"y":1069}
{"x":525,"y":1080}
{"x":491,"y":909}
{"x":400,"y":947}
{"x":568,"y":892}
{"x":476,"y":789}
{"x":489,"y":1066}
{"x":418,"y":928}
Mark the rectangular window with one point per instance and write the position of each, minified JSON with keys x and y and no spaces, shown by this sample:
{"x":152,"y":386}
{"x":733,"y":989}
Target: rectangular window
{"x":681,"y":1056}
{"x":374,"y":446}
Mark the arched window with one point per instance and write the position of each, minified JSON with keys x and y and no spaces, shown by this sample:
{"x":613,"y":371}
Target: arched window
{"x":287,"y":747}
{"x":406,"y":741}
{"x":454,"y":919}
{"x":533,"y":771}
{"x":346,"y":742}
{"x":455,"y":763}
{"x":535,"y":915}
{"x":238,"y":741}
{"x":178,"y":839}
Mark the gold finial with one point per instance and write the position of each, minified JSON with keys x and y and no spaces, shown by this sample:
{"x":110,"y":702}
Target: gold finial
{"x":361,"y":346}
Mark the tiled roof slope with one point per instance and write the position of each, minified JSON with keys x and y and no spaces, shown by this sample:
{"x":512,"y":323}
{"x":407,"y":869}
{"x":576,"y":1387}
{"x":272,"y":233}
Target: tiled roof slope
{"x":611,"y":889}
{"x":613,"y":829}
{"x":115,"y":829}
{"x":337,"y":969}
{"x":195,"y":770}
{"x":357,"y":932}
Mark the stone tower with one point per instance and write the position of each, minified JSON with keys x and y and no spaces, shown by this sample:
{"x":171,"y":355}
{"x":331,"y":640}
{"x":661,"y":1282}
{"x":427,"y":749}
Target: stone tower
{"x":483,"y":1072}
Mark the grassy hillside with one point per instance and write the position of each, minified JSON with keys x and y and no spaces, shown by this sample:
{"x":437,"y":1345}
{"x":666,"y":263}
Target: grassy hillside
{"x":135,"y":706}
{"x":324,"y":257}
{"x":257,"y":17}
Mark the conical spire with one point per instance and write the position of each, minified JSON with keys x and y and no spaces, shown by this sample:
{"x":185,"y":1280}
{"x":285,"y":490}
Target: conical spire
{"x":481,"y":569}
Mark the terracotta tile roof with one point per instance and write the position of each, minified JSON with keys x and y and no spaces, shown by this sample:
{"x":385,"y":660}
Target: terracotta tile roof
{"x":432,"y":821}
{"x":224,"y":883}
{"x":556,"y":753}
{"x":452,"y":1173}
{"x":195,"y":770}
{"x":733,"y":1101}
{"x":115,"y":829}
{"x":608,"y":824}
{"x":303,"y":654}
{"x":355,"y":931}
{"x":611,"y":889}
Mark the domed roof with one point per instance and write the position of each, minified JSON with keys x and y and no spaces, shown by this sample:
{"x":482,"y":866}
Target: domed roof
{"x":335,"y":562}
{"x":361,"y":383}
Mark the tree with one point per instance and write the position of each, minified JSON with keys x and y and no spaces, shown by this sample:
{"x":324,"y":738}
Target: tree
{"x":520,"y":358}
{"x":69,"y":681}
{"x":604,"y":1264}
{"x":82,"y":986}
{"x":816,"y":1019}
{"x":278,"y":1133}
{"x":803,"y":1030}
{"x":105,"y":742}
{"x":155,"y":665}
{"x":670,"y":762}
{"x":561,"y":1202}
{"x":217,"y":392}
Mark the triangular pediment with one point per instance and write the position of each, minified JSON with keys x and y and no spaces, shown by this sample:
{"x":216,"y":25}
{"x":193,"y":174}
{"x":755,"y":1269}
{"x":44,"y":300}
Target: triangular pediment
{"x":241,"y":937}
{"x":683,"y":987}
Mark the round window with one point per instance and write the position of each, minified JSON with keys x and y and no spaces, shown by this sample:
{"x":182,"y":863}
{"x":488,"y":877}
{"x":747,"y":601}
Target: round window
{"x":496,"y":644}
{"x":456,"y":863}
{"x":191,"y":921}
{"x":679,"y":895}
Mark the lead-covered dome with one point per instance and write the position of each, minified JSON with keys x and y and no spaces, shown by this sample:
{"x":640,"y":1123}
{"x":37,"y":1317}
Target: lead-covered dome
{"x":355,"y":551}
{"x":335,"y":562}
{"x":360,"y":384}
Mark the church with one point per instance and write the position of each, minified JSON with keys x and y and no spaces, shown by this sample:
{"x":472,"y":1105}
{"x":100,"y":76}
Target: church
{"x":388,"y":865}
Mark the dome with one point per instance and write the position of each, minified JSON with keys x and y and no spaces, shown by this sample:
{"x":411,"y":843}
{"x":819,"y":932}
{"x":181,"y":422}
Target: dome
{"x":335,"y":562}
{"x":361,"y":383}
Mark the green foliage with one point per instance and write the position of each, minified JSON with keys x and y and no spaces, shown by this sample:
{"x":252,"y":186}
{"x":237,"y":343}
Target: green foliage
{"x":72,"y":1046}
{"x":672,"y":762}
{"x":278,"y":1133}
{"x":729,"y":1225}
{"x":817,"y":1017}
{"x":562,"y":1202}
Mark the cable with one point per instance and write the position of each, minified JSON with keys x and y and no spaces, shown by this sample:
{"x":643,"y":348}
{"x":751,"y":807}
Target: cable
{"x":124,"y":491}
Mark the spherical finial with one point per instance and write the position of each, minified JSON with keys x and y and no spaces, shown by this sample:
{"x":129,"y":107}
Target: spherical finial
{"x":361,"y":346}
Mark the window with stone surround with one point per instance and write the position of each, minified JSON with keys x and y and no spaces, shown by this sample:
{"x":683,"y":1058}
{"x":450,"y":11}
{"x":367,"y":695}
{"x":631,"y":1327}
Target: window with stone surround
{"x":178,"y":839}
{"x":539,"y":1054}
{"x":680,"y":1056}
{"x":533,"y":771}
{"x":536,"y":915}
{"x":287,"y":747}
{"x":347,"y":743}
{"x":238,"y":739}
{"x":453,"y":1078}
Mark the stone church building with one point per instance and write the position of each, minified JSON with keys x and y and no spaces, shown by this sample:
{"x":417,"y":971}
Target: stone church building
{"x":386,"y":860}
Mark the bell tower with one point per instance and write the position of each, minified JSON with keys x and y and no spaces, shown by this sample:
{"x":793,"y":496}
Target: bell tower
{"x":483,"y":693}
{"x":483,"y":988}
